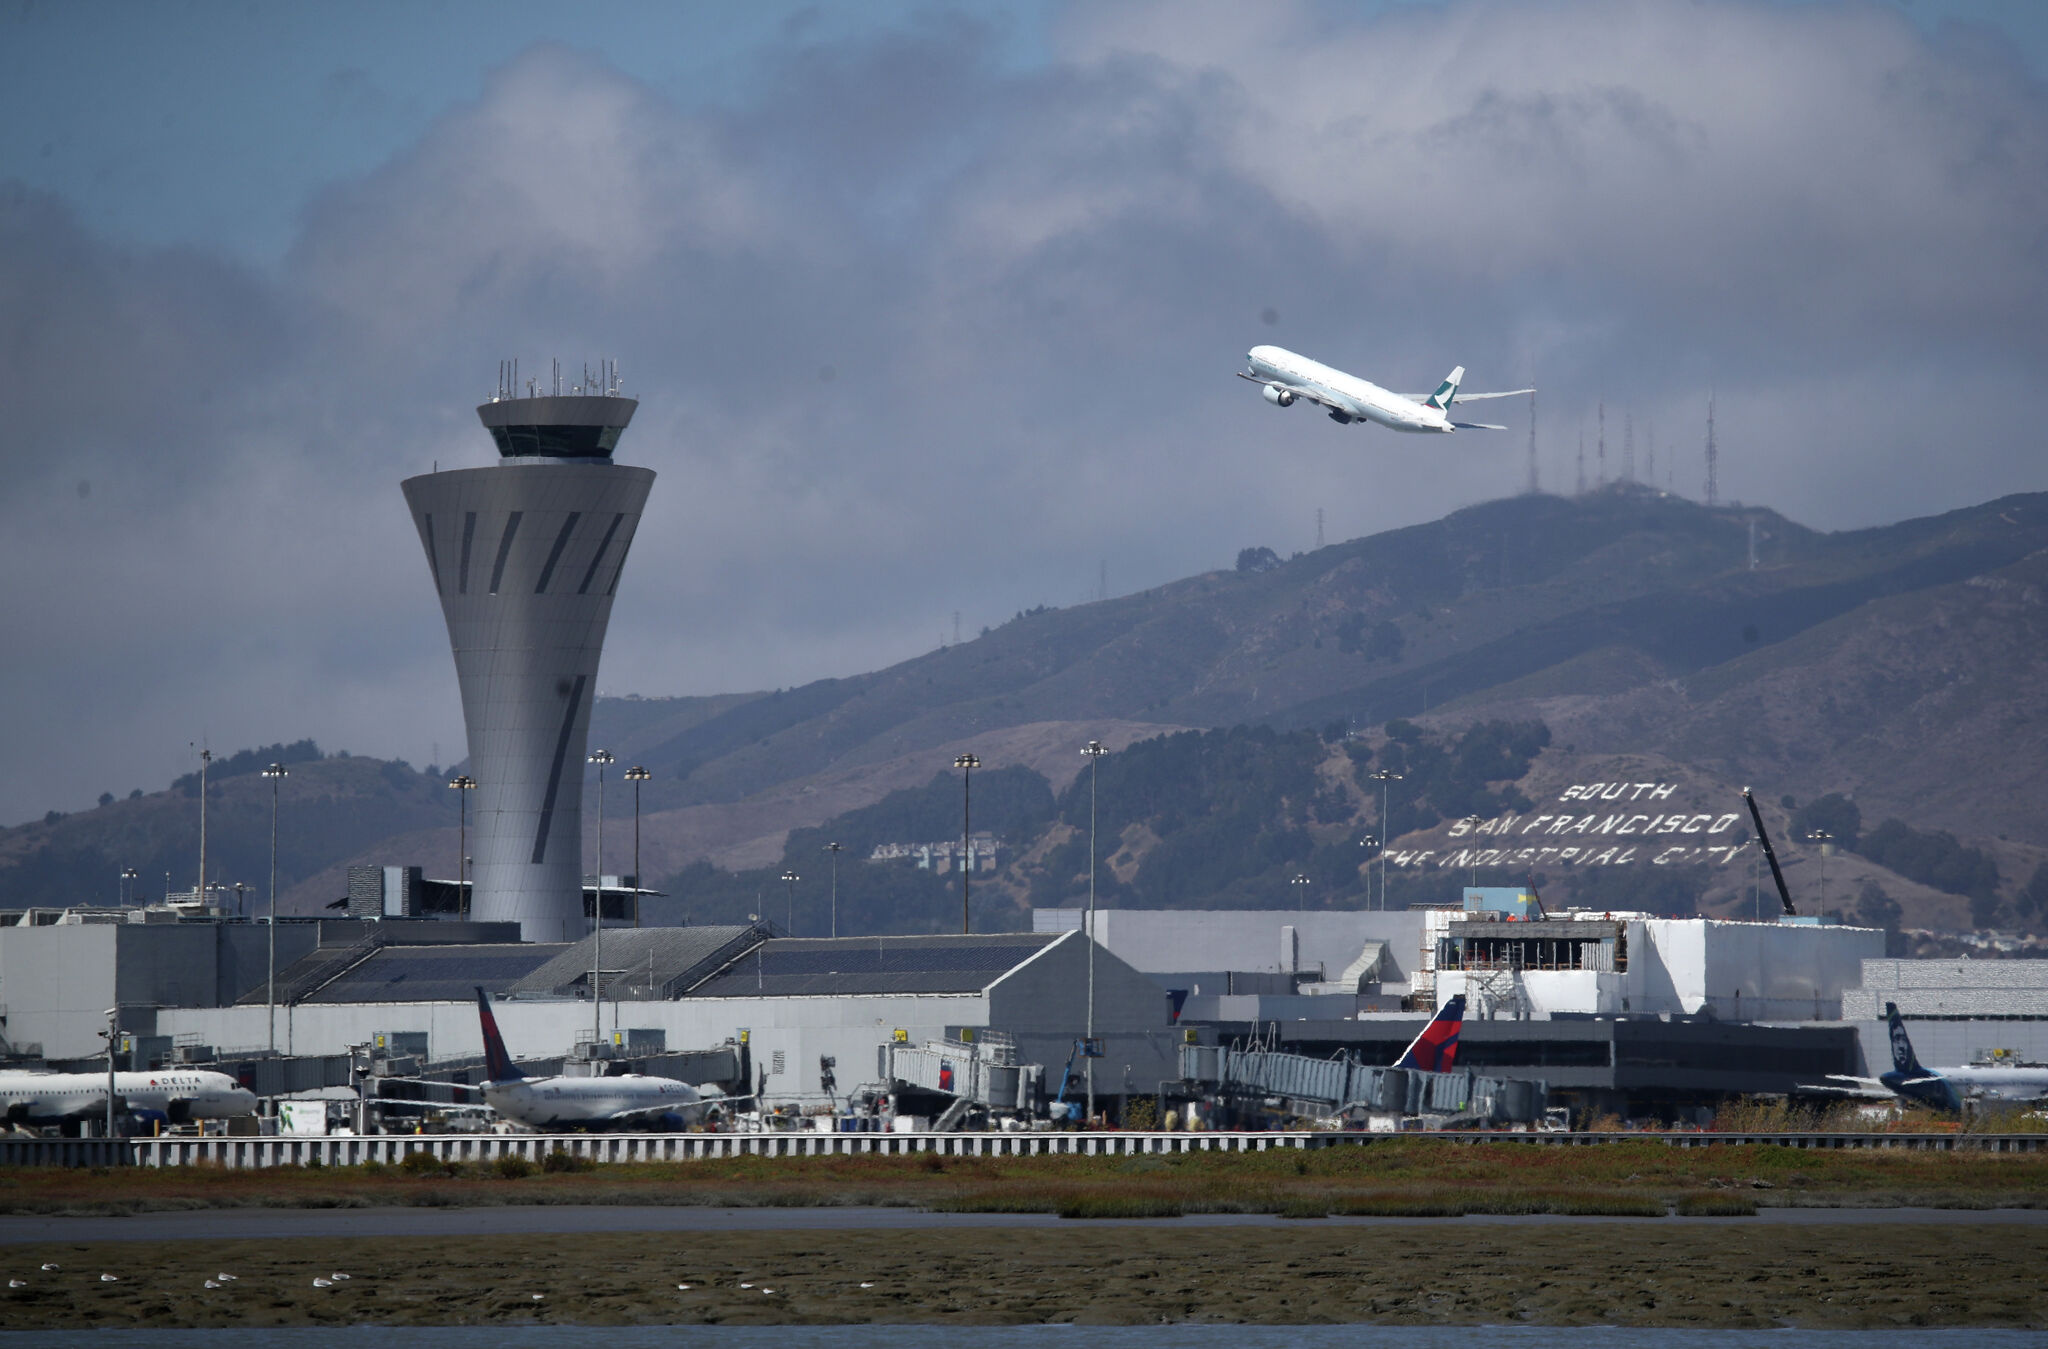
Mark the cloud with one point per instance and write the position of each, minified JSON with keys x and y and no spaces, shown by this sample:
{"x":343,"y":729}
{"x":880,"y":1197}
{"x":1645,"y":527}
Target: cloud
{"x":917,"y":331}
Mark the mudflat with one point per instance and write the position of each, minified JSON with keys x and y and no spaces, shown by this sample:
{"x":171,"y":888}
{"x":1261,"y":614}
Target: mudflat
{"x":1647,"y":1272}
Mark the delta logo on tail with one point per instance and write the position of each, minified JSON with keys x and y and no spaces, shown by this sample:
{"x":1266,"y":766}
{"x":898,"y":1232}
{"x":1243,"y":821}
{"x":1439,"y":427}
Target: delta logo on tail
{"x":1436,"y":1049}
{"x":498,"y":1065}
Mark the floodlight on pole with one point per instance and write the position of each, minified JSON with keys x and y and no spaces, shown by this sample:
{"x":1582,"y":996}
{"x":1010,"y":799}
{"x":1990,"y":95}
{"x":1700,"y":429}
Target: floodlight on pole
{"x":277,"y":774}
{"x":636,"y":775}
{"x":835,"y":849}
{"x":464,"y":784}
{"x":603,"y":759}
{"x":1094,"y":749}
{"x":1825,"y":839}
{"x":789,"y":880}
{"x":1383,"y":777}
{"x":966,"y":763}
{"x":128,"y":876}
{"x":1368,"y":843}
{"x":1300,"y":884}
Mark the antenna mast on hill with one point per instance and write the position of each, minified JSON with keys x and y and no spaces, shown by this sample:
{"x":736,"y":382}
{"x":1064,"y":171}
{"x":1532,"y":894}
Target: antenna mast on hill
{"x":1713,"y":458}
{"x":1582,"y":460}
{"x":1534,"y":488}
{"x":1601,"y":443}
{"x":1649,"y":452}
{"x":1628,"y":446}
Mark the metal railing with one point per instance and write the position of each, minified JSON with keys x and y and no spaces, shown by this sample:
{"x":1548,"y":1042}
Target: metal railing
{"x":391,"y":1149}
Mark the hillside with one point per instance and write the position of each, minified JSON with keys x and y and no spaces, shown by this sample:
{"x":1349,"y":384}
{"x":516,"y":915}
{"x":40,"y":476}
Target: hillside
{"x":1886,"y":664}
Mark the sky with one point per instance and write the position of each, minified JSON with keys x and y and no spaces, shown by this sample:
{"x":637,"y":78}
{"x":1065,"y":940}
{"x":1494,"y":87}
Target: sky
{"x":932,"y":310}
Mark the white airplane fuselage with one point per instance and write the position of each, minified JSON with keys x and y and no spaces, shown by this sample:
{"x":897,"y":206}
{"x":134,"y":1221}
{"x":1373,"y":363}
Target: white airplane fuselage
{"x":1360,"y":399}
{"x":589,"y":1102}
{"x":177,"y":1094}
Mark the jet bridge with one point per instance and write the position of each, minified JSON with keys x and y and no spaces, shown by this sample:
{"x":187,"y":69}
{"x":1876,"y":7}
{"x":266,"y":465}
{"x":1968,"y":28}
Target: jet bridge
{"x":1326,"y":1087}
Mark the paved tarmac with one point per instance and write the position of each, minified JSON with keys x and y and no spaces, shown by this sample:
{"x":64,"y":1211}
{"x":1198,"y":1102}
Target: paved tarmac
{"x":566,"y":1219}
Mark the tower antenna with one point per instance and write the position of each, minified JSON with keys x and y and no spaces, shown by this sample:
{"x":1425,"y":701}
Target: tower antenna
{"x":1319,"y":526}
{"x":1602,"y":445}
{"x":1534,"y":488}
{"x":1713,"y":458}
{"x":1582,"y":459}
{"x":1628,"y":446}
{"x":1649,"y":452}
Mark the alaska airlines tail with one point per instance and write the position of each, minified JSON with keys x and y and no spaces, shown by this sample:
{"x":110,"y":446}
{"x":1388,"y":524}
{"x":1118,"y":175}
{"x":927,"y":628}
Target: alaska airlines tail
{"x":498,"y":1065}
{"x":1436,"y":1049}
{"x":1446,"y":392}
{"x":1903,"y":1058}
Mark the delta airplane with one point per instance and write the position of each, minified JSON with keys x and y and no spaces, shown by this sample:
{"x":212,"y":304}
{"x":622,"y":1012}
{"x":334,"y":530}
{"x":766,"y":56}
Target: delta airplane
{"x":629,"y":1101}
{"x":1435,"y":1050}
{"x":1942,"y":1088}
{"x":1285,"y":376}
{"x":173,"y":1096}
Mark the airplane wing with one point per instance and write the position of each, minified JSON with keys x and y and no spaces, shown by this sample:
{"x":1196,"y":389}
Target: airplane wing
{"x":1477,"y":426}
{"x":1299,"y":391}
{"x":1855,"y":1088}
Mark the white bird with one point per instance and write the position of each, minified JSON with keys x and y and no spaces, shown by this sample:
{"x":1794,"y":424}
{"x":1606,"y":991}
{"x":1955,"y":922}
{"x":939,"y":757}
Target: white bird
{"x":227,"y":1278}
{"x":767,"y":1290}
{"x":683,"y":1287}
{"x":746,"y":1285}
{"x":323,"y":1283}
{"x":213,"y":1283}
{"x":52,"y":1265}
{"x":867,"y":1285}
{"x":108,"y":1278}
{"x":339,"y":1278}
{"x":17,"y":1283}
{"x":538,"y":1296}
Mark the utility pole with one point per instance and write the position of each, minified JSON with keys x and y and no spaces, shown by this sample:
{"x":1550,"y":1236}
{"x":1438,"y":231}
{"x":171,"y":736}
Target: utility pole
{"x":636,"y":775}
{"x":1383,"y":777}
{"x":464,"y":785}
{"x":602,"y":758}
{"x":276,"y":773}
{"x":1094,"y":749}
{"x":113,"y":1034}
{"x":205,"y":758}
{"x":967,"y":763}
{"x":789,"y":880}
{"x":834,"y":849}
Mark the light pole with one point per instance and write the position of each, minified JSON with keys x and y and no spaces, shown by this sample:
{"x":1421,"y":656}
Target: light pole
{"x":205,"y":758}
{"x":463,"y":785}
{"x":834,"y":849}
{"x":1300,"y":884}
{"x":602,"y":758}
{"x":789,"y":880}
{"x":276,"y":773}
{"x":1094,"y":749}
{"x":1367,"y":843}
{"x":967,"y":763}
{"x":1824,"y":838}
{"x":1383,"y":777}
{"x":239,"y":888}
{"x":636,"y":775}
{"x":128,"y":876}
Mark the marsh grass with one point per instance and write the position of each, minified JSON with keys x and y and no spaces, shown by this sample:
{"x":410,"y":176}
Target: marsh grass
{"x":1418,"y":1177}
{"x":1716,"y":1204}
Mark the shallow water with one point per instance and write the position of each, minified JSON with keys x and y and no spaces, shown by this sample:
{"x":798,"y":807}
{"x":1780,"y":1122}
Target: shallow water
{"x":1028,"y":1337}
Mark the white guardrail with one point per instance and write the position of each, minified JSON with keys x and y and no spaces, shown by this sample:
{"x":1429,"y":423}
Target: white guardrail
{"x":390,"y":1149}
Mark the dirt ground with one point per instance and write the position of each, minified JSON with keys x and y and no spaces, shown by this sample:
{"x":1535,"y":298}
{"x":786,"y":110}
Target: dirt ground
{"x":1649,"y":1273}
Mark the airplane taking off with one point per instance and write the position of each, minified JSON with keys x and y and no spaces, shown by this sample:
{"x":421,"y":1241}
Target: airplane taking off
{"x":629,"y":1101}
{"x":1942,"y":1088}
{"x":1286,"y":376}
{"x":170,"y":1096}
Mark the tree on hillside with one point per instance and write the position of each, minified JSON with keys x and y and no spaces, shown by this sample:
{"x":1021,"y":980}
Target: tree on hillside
{"x":1834,"y":815}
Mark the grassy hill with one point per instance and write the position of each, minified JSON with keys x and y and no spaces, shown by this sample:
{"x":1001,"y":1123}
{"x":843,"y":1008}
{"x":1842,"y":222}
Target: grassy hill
{"x":1715,"y":648}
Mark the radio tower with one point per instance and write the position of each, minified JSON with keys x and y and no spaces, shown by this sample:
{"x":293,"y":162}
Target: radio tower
{"x":1649,"y":452}
{"x":1582,"y":460}
{"x":1713,"y":458}
{"x":1319,"y":527}
{"x":1534,"y":487}
{"x":1601,"y":443}
{"x":1628,"y":446}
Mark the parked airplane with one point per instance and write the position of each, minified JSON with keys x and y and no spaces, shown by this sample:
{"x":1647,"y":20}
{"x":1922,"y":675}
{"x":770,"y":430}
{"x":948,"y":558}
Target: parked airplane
{"x":1435,"y":1050}
{"x":172,"y":1096}
{"x":1942,"y":1088}
{"x":629,"y":1101}
{"x":1286,"y":376}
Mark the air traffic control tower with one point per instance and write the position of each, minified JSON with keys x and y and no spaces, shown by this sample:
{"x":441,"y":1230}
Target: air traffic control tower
{"x":526,"y":556}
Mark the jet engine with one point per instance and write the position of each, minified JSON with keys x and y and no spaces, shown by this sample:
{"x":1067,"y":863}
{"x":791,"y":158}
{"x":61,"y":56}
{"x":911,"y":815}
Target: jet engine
{"x":1279,"y":397}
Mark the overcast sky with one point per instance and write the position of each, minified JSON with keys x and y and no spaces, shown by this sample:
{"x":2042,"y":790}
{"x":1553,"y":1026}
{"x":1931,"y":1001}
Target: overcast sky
{"x":934,"y":311}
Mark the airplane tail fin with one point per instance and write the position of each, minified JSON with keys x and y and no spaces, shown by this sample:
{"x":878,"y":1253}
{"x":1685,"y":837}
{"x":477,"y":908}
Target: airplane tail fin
{"x":498,"y":1065}
{"x":1436,"y":1049}
{"x":1446,"y":391}
{"x":1903,"y":1058}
